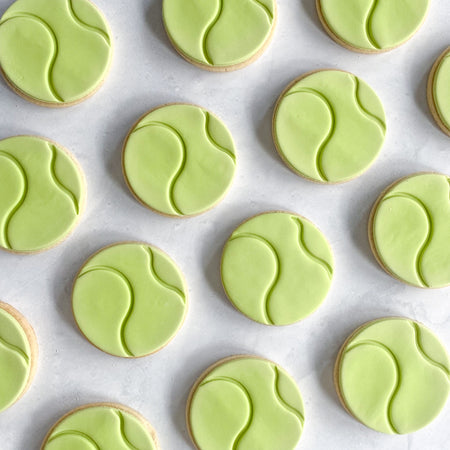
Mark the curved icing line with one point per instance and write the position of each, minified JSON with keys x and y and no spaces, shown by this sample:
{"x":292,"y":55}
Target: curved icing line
{"x":250,"y":405}
{"x":74,"y":433}
{"x":315,"y":258}
{"x":122,"y":430}
{"x":426,"y":243}
{"x":55,"y":44}
{"x":397,"y":373}
{"x":327,"y":139}
{"x":16,"y":350}
{"x":183,"y":161}
{"x":132,"y":300}
{"x":216,"y":18}
{"x":214,"y":142}
{"x":368,"y":25}
{"x":13,"y":211}
{"x":265,"y":8}
{"x":272,"y":286}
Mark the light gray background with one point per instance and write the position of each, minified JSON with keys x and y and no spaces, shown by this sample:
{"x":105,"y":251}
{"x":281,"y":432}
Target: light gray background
{"x":147,"y":72}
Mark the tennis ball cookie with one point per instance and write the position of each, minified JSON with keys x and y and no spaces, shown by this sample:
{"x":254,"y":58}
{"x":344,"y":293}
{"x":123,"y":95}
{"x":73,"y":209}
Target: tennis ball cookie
{"x":18,"y":355}
{"x":220,"y":35}
{"x":277,"y":268}
{"x":129,"y":300}
{"x":101,"y":426}
{"x":245,"y":402}
{"x":439,"y":91}
{"x":54,"y":52}
{"x":393,"y":375}
{"x":329,"y":126}
{"x":42,"y":194}
{"x":409,"y":230}
{"x":179,"y":160}
{"x":372,"y":26}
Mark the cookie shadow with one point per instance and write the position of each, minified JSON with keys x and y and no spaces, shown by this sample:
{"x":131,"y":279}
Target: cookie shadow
{"x":309,"y":6}
{"x":154,"y":18}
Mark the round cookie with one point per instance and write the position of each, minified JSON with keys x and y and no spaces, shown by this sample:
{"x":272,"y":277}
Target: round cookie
{"x":329,"y":126}
{"x":129,"y":300}
{"x":393,"y":375}
{"x":439,"y":91}
{"x":372,"y":26}
{"x":42,"y":194}
{"x":409,"y":230}
{"x":277,"y":268}
{"x":18,"y":355}
{"x":245,"y":402}
{"x":179,"y":160}
{"x":101,"y":426}
{"x":220,"y":35}
{"x":54,"y":52}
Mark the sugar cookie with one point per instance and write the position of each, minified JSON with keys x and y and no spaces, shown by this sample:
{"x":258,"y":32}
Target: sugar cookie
{"x":245,"y":402}
{"x":329,"y":126}
{"x":409,"y":230}
{"x":18,"y":355}
{"x":129,"y":299}
{"x":372,"y":26}
{"x":220,"y":35}
{"x":54,"y":52}
{"x":393,"y":375}
{"x":277,"y":268}
{"x":179,"y":160}
{"x":439,"y":91}
{"x":42,"y":194}
{"x":101,"y":426}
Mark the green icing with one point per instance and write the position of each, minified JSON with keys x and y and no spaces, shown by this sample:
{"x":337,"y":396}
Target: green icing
{"x":219,"y":33}
{"x":41,"y":194}
{"x":179,"y":160}
{"x":100,"y":428}
{"x":411,"y":230}
{"x":130,"y":300}
{"x":246,"y":403}
{"x":15,"y":360}
{"x":394,"y":376}
{"x":277,"y":268}
{"x":329,"y":126}
{"x":56,"y":51}
{"x":373,"y":25}
{"x":441,"y":90}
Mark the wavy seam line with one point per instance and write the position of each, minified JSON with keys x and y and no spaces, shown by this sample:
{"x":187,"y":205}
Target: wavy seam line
{"x":397,"y":372}
{"x":122,"y":430}
{"x":13,"y":211}
{"x":132,"y":300}
{"x":306,"y":250}
{"x":216,"y":18}
{"x":418,"y":263}
{"x":250,"y":405}
{"x":213,"y":141}
{"x":16,"y":350}
{"x":55,"y":44}
{"x":368,"y":26}
{"x":74,"y":433}
{"x":265,"y":8}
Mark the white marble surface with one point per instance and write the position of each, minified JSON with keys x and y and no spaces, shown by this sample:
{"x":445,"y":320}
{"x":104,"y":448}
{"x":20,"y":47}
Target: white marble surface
{"x":146,"y":73}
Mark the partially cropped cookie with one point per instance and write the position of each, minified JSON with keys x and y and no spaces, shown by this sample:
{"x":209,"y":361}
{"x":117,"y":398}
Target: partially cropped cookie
{"x":393,"y":375}
{"x":409,"y":230}
{"x":277,"y":268}
{"x":54,"y":52}
{"x":372,"y":26}
{"x":329,"y":126}
{"x":245,"y":402}
{"x":42,"y":194}
{"x":101,"y":426}
{"x":220,"y":35}
{"x":179,"y":160}
{"x":18,"y":355}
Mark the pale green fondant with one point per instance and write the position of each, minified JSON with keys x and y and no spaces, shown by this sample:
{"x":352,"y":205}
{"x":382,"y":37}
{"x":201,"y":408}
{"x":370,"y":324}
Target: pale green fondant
{"x":179,"y":160}
{"x":15,"y":360}
{"x":41,"y":194}
{"x":394,"y":376}
{"x":441,"y":90}
{"x":246,"y":403}
{"x":411,"y":230}
{"x":100,"y":428}
{"x":330,"y":126}
{"x":55,"y":51}
{"x":374,"y":25}
{"x":219,"y":33}
{"x":277,"y":268}
{"x":130,"y":300}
